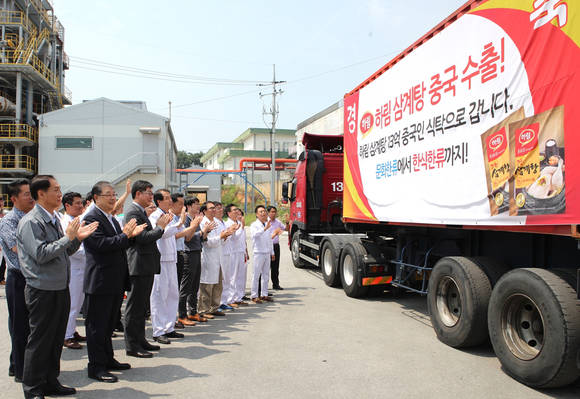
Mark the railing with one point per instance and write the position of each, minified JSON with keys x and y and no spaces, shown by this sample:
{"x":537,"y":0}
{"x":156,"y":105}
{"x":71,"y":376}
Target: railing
{"x":37,"y":4}
{"x":58,"y":29}
{"x":18,"y":162}
{"x":19,"y":58}
{"x":17,"y":18}
{"x":12,"y":39}
{"x":43,"y":36}
{"x":7,"y":203}
{"x":124,"y":169}
{"x":18,"y":131}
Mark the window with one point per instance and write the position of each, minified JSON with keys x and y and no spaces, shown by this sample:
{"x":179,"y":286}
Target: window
{"x":74,"y":143}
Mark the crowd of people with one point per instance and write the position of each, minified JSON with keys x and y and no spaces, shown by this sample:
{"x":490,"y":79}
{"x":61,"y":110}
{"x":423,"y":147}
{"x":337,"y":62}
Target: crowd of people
{"x":175,"y":260}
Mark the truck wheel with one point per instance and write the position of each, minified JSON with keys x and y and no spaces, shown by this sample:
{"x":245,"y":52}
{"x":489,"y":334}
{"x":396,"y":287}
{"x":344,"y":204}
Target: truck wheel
{"x":350,"y":275}
{"x":329,"y":265}
{"x":458,"y":296}
{"x":534,"y":326}
{"x":295,"y":251}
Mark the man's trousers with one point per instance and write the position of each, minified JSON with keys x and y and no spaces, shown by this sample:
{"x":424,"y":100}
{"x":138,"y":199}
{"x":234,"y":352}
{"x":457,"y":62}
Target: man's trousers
{"x":100,"y":322}
{"x":189,"y":286}
{"x":137,"y":303}
{"x":164,"y":299}
{"x":77,"y":296}
{"x":48,"y":314}
{"x":17,"y":319}
{"x":261,"y":274}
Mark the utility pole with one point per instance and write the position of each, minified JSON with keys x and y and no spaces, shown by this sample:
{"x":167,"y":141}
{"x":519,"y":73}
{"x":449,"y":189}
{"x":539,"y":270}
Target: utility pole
{"x":274,"y":112}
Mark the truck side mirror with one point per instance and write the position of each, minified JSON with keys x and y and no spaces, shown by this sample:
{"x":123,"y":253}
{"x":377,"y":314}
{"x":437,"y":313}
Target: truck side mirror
{"x":285,"y":192}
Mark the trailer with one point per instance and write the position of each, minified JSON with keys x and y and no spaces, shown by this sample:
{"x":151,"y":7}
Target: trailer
{"x":458,"y":178}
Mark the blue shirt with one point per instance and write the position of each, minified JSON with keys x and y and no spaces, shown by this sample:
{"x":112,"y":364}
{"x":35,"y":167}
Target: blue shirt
{"x":8,"y":230}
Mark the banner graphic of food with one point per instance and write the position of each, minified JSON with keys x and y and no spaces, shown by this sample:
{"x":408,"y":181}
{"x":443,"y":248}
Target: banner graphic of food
{"x":537,"y":161}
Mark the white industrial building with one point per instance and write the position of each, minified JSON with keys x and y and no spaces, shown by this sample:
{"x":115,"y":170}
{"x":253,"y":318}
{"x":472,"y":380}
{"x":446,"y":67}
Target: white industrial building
{"x":328,"y":121}
{"x":108,"y":140}
{"x":252,"y":143}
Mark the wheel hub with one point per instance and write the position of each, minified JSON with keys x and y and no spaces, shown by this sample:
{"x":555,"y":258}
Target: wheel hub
{"x":448,"y":299}
{"x":295,"y":250}
{"x":348,"y":270}
{"x":327,"y":261}
{"x":523,"y":326}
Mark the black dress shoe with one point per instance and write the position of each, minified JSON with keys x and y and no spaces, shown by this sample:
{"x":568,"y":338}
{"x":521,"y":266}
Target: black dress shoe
{"x":174,"y":334}
{"x":18,"y":379}
{"x":59,"y":390}
{"x":148,"y":347}
{"x":278,"y":288}
{"x":162,"y":339}
{"x":115,"y":365}
{"x":10,"y":372}
{"x":33,"y":396}
{"x":141,"y":354}
{"x":103,"y":376}
{"x":119,"y":327}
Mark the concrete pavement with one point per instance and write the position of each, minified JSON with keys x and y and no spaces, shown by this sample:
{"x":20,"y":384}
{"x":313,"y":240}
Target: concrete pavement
{"x":312,"y":342}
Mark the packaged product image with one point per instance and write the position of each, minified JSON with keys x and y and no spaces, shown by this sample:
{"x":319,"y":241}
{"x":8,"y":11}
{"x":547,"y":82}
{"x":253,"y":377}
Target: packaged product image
{"x":537,"y":158}
{"x":496,"y":159}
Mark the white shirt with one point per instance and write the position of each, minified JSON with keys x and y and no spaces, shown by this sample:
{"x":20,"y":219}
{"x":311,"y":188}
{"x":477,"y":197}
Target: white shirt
{"x":210,"y":255}
{"x":166,"y":244}
{"x":262,"y":238}
{"x":238,"y":239}
{"x":78,"y":259}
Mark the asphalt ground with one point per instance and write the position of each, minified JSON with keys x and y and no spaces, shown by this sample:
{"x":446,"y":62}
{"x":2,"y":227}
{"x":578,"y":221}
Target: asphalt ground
{"x":312,"y":342}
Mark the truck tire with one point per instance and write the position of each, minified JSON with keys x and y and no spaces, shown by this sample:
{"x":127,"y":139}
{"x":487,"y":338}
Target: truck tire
{"x":329,"y":264}
{"x":350,"y":266}
{"x":295,"y":250}
{"x":534,"y":327}
{"x":458,"y":297}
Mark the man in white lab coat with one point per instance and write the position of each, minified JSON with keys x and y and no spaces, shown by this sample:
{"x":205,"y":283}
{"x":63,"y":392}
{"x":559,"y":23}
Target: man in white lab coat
{"x":234,"y":256}
{"x":263,"y":253}
{"x":239,"y":257}
{"x":165,"y":292}
{"x":73,"y":206}
{"x":210,"y":289}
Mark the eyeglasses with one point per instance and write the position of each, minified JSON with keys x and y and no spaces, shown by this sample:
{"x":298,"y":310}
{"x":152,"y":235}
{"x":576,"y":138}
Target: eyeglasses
{"x":147,"y":192}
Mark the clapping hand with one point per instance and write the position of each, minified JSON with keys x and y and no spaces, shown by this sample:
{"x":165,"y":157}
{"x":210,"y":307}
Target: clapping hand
{"x":164,"y":220}
{"x":73,"y":228}
{"x":86,"y":230}
{"x":129,"y":227}
{"x":138,"y":230}
{"x":182,"y":216}
{"x":209,"y":227}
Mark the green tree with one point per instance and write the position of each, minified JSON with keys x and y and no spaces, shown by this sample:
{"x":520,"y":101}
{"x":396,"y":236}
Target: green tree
{"x":185,"y":159}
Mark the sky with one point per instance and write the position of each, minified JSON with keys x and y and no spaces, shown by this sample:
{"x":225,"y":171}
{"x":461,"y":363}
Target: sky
{"x":207,"y":57}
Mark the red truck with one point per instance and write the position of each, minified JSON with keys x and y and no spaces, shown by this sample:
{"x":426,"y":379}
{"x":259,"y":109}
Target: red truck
{"x":458,"y":177}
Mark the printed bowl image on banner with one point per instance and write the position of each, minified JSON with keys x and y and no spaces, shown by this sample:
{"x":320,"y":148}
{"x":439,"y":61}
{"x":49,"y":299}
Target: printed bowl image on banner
{"x":496,"y":158}
{"x":537,"y":158}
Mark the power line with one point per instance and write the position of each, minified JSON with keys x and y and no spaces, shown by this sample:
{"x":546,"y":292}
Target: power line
{"x":126,"y":68}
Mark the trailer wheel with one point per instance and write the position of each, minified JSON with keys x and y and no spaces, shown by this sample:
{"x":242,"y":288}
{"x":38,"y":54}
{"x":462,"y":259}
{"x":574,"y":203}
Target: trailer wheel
{"x":534,"y":326}
{"x":295,"y":250}
{"x":350,"y":270}
{"x":458,"y":296}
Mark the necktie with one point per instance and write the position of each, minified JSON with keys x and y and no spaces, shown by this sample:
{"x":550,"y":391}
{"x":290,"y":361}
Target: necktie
{"x":57,"y":226}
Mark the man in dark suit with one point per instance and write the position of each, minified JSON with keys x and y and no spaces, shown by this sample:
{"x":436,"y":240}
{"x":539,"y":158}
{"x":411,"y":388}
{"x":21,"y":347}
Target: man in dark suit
{"x":105,"y":275}
{"x":144,"y":262}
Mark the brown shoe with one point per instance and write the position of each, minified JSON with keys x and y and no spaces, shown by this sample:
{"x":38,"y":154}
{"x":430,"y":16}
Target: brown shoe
{"x":233,"y":305}
{"x":186,"y":322}
{"x":218,"y":313}
{"x":267,"y":299}
{"x":72,"y":344}
{"x":207,"y":316}
{"x":178,"y":325}
{"x":256,"y":300}
{"x":197,"y":317}
{"x":79,"y":338}
{"x":3,"y":282}
{"x":242,"y":303}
